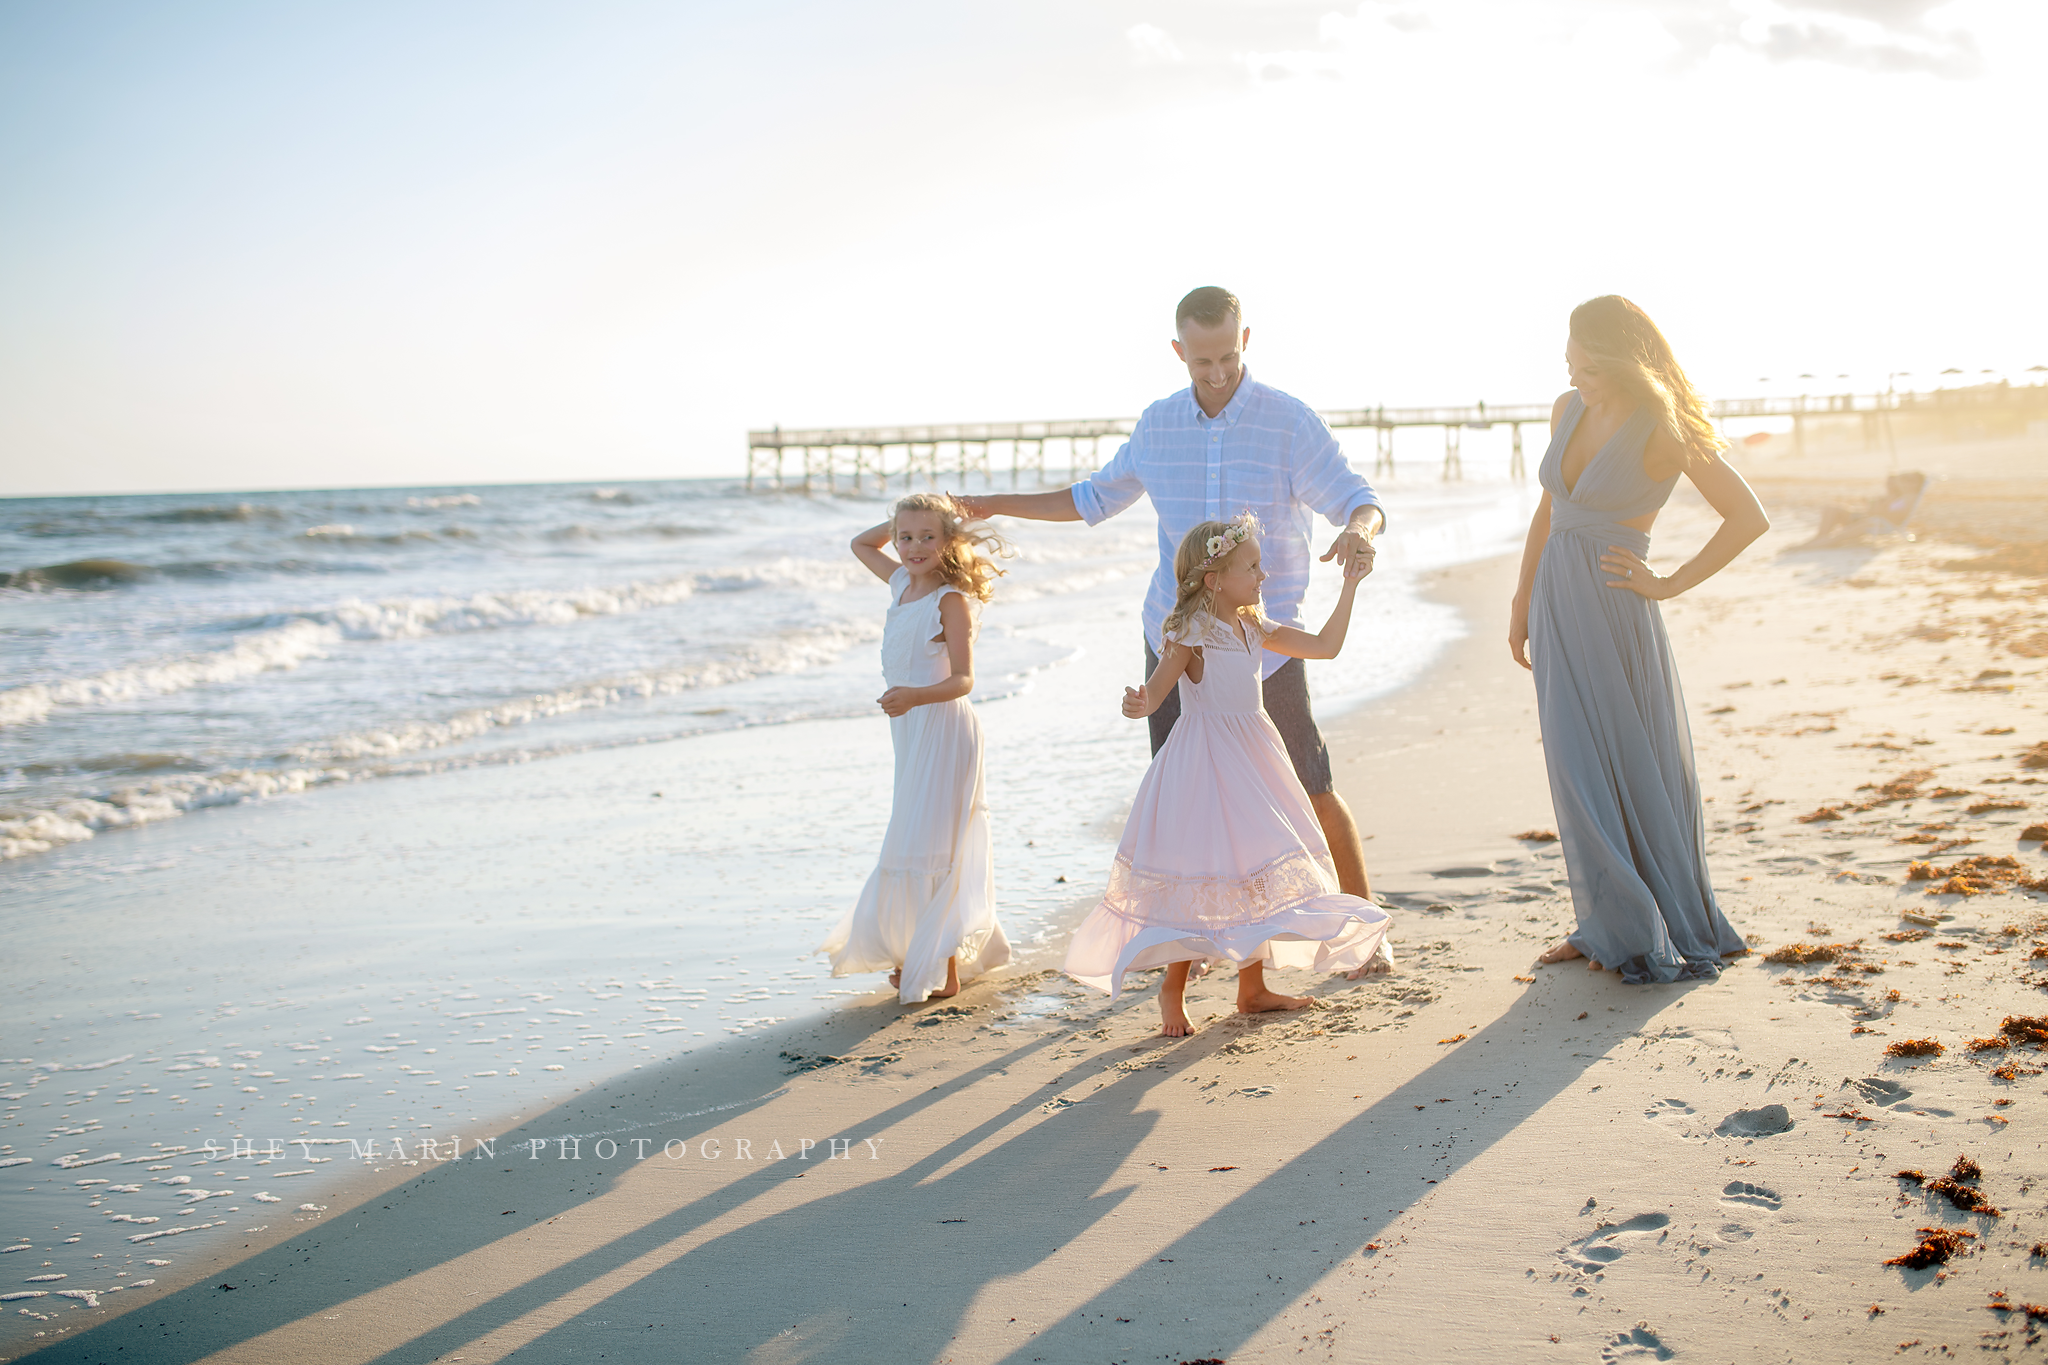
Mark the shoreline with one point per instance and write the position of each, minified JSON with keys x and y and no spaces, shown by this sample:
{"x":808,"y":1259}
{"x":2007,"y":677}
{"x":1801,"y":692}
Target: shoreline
{"x":1565,"y":1166}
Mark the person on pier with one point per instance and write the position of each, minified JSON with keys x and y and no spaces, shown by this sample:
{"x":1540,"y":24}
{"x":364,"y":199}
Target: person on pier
{"x":1228,"y":444}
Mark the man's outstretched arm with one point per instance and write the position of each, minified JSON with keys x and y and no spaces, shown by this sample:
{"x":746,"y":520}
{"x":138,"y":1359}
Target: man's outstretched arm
{"x":1054,"y":505}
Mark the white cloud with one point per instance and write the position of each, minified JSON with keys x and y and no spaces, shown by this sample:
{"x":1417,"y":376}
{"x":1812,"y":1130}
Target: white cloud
{"x":1882,"y":36}
{"x":1152,"y":45}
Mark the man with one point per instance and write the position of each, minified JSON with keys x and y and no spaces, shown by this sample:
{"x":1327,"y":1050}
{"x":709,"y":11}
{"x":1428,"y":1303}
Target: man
{"x":1225,"y":443}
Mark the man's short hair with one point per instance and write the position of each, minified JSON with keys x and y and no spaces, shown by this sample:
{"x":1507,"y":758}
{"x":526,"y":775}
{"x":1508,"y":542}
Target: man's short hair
{"x":1209,"y":306}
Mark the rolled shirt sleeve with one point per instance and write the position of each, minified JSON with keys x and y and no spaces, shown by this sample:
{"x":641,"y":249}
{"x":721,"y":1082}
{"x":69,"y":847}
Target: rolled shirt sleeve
{"x":1324,"y":480}
{"x":1115,"y":486}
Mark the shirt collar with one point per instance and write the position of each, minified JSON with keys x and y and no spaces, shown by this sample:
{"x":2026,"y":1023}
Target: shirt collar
{"x":1232,"y":410}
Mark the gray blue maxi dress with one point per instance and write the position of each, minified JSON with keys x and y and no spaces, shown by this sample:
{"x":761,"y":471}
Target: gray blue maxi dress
{"x":1615,"y":736}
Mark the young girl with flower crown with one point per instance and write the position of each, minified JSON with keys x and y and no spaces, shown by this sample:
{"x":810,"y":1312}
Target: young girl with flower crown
{"x":927,"y":914}
{"x":1222,"y":856}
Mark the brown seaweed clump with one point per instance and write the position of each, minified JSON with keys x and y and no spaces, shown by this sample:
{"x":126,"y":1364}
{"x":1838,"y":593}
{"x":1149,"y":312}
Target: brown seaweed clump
{"x":1915,"y":1047}
{"x":1976,"y":875}
{"x":1904,"y":787}
{"x":1909,"y":936}
{"x":1968,"y":1198}
{"x":1995,"y":1043}
{"x":1959,"y":1186}
{"x":2034,"y":834}
{"x":2026,"y":1028}
{"x":2012,"y":1071}
{"x":1824,"y":813}
{"x":1801,"y":954}
{"x":2036,"y":757}
{"x":1538,"y":836}
{"x":1936,"y":1246}
{"x":2000,"y":1303}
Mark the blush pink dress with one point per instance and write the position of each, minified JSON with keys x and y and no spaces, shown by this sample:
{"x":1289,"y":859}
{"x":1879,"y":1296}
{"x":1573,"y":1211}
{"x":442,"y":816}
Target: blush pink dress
{"x":1222,"y":856}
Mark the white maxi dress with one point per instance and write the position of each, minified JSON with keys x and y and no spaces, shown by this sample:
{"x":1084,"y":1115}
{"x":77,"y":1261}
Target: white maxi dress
{"x":932,"y":893}
{"x":1222,"y":856}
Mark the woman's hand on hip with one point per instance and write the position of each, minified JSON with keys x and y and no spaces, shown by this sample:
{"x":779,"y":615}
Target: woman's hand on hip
{"x":1626,"y":570}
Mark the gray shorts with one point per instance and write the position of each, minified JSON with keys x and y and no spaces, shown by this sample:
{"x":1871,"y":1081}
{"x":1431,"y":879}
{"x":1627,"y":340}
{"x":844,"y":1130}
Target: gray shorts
{"x":1286,"y":699}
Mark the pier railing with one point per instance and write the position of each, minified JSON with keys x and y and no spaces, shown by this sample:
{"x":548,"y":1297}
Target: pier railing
{"x":823,"y":456}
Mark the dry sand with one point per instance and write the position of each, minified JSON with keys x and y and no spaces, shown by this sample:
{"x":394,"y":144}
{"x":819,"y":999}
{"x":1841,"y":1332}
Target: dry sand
{"x":1470,"y":1159}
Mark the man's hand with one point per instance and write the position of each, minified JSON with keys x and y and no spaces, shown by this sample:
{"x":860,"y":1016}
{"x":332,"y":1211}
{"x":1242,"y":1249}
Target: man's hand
{"x":1353,"y":550}
{"x":1134,"y":703}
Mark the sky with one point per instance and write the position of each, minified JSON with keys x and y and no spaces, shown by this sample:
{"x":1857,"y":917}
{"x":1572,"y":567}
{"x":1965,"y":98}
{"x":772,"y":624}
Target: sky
{"x":281,"y":244}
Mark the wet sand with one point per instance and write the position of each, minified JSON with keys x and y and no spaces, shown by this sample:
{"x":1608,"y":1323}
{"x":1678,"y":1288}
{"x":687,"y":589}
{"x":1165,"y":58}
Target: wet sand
{"x":1471,"y":1159}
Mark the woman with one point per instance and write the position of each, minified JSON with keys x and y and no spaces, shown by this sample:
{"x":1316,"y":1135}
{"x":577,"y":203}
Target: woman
{"x":1614,"y":731}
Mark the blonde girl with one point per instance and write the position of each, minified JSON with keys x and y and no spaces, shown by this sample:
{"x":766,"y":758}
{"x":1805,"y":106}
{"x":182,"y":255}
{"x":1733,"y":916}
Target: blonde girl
{"x":1222,"y":856}
{"x":927,"y":914}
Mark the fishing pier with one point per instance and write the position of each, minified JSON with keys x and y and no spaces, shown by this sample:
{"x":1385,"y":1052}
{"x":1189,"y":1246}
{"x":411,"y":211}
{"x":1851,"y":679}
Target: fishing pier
{"x":827,"y":458}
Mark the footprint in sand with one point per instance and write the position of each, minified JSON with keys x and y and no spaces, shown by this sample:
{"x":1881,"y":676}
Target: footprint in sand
{"x":1638,"y":1343}
{"x":1674,"y":1117}
{"x":1734,"y":1232}
{"x":1877,"y":1090}
{"x":1768,"y":1121}
{"x":1609,"y":1242}
{"x":1756,"y":1196}
{"x":1891,"y":1095}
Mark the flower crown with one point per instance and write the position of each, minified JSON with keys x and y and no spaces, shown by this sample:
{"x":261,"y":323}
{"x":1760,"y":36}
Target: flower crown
{"x":1234,"y":535}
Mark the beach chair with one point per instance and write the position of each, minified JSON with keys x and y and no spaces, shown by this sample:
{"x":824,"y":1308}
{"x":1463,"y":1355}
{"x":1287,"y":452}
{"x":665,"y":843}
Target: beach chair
{"x":1883,"y":516}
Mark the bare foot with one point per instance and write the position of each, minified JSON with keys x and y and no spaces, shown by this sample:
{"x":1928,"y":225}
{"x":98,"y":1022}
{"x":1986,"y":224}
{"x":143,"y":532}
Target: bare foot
{"x":952,"y":986}
{"x":1172,"y":991}
{"x":1593,"y":966}
{"x":1261,"y":1000}
{"x":1379,"y":964}
{"x":896,"y":980}
{"x":1563,"y":952}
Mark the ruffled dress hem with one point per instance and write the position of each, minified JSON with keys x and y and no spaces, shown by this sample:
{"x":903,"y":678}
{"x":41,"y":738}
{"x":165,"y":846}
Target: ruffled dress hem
{"x":1332,"y":933}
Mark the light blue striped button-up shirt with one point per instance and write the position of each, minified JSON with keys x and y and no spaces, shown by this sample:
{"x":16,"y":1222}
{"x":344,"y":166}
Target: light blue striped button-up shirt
{"x":1266,"y":451}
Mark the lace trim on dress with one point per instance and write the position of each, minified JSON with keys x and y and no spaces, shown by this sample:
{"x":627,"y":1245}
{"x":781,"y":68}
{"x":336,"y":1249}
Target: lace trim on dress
{"x":1204,"y":903}
{"x":1207,"y":630}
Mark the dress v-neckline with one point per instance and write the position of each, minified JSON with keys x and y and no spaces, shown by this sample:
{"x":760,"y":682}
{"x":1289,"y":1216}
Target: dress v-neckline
{"x":1571,"y":490}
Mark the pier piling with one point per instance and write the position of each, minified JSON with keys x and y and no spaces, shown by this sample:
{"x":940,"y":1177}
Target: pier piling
{"x":1985,"y":408}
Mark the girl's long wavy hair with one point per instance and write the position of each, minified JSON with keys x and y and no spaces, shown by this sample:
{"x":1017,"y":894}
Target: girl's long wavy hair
{"x":1620,"y":338}
{"x":967,"y":560}
{"x":1192,"y":594}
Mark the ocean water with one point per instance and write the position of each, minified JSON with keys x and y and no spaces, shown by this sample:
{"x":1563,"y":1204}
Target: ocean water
{"x":164,"y":653}
{"x":394,"y":814}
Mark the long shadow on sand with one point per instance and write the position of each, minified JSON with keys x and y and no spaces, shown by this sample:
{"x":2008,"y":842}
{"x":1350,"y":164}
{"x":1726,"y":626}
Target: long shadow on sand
{"x":822,"y":1280}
